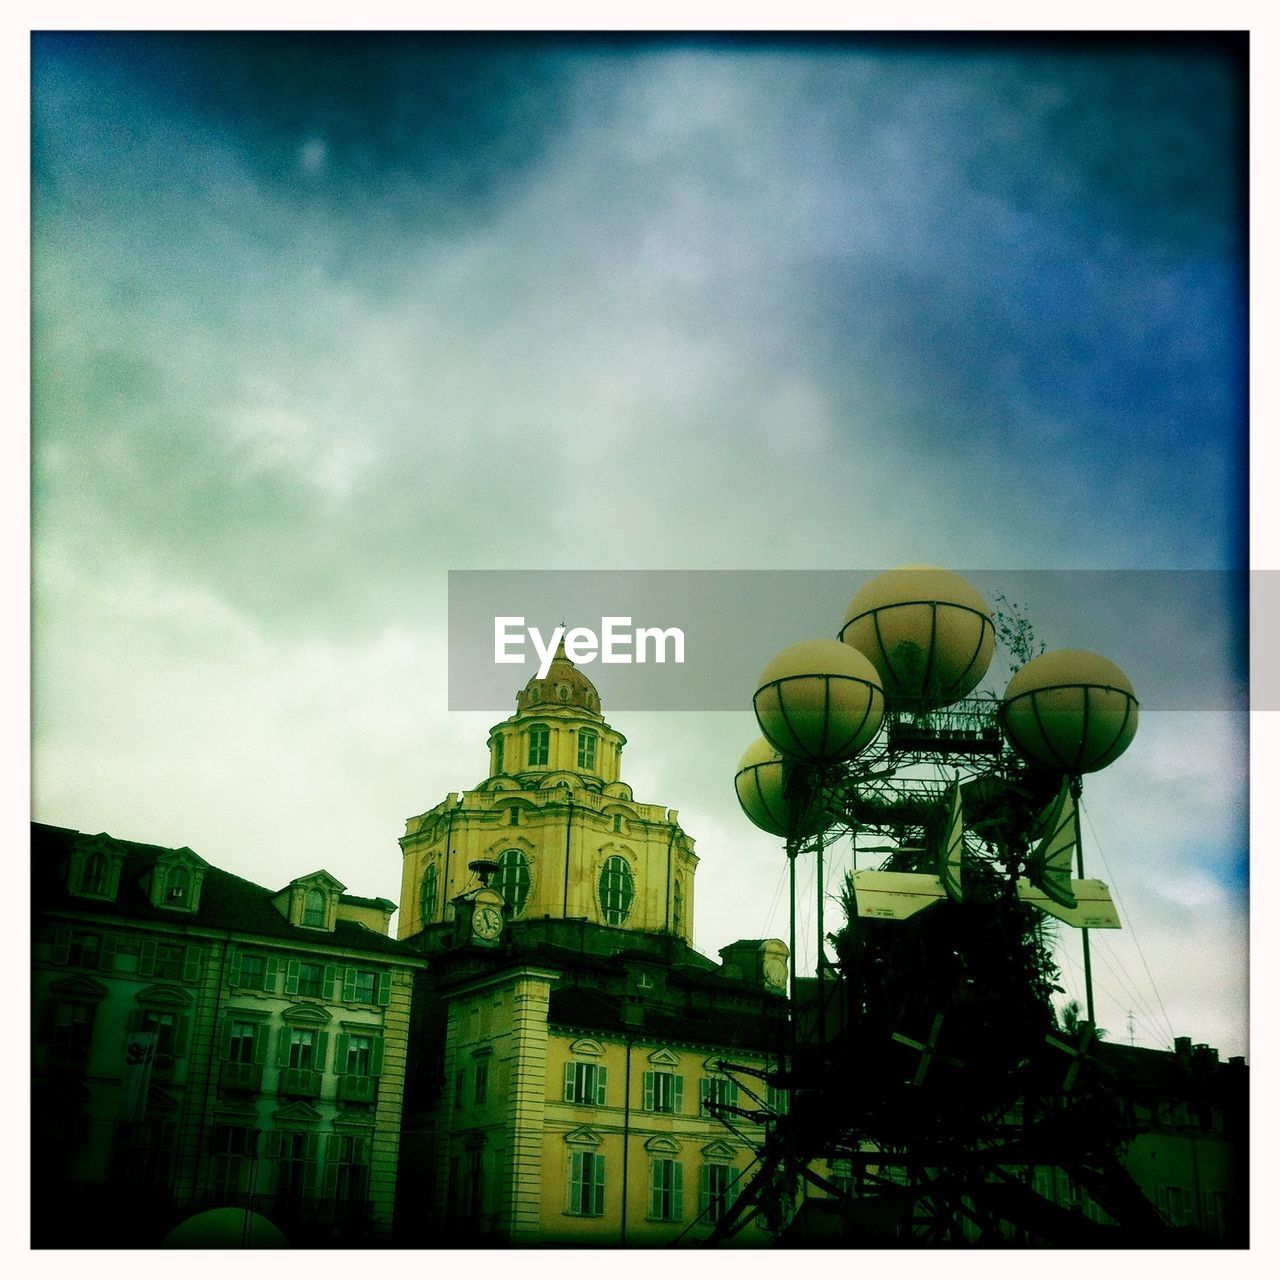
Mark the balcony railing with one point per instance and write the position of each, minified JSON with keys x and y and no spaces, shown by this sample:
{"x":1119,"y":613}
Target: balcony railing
{"x":357,"y":1088}
{"x":244,"y":1077}
{"x":299,"y":1082}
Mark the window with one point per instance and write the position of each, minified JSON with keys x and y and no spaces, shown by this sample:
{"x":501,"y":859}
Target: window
{"x":314,"y":910}
{"x":499,"y":750}
{"x":587,"y":750}
{"x":235,"y":1148}
{"x":430,"y":893}
{"x":358,"y":1058}
{"x":350,"y":1157}
{"x":142,"y":1153}
{"x":253,"y":972}
{"x":84,"y":950}
{"x":716,"y":1181}
{"x":777,"y":1100}
{"x":473,"y":1182}
{"x":666,"y":1200}
{"x":71,"y":1030}
{"x":459,"y":1090}
{"x":302,"y":1048}
{"x":584,"y":1083}
{"x":177,"y":886}
{"x":482,"y":1079}
{"x":513,"y":878}
{"x":539,"y":744}
{"x":663,"y":1092}
{"x":310,"y":979}
{"x":513,"y":817}
{"x":363,"y":985}
{"x":617,"y":889}
{"x":617,"y":822}
{"x":93,"y":875}
{"x":677,"y":907}
{"x":168,"y":961}
{"x":718,"y":1090}
{"x":243,"y":1036}
{"x":165,"y":1025}
{"x":586,"y":1183}
{"x":842,"y":1176}
{"x":297,"y":1164}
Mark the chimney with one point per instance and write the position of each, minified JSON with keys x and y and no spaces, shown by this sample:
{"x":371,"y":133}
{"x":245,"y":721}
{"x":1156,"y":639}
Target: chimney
{"x":1182,"y":1047}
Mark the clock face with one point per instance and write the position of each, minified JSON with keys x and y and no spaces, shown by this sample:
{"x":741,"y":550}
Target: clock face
{"x":487,"y":922}
{"x":775,"y":972}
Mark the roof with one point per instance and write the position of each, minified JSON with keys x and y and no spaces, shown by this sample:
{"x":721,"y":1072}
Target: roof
{"x":380,"y":904}
{"x":227,"y":902}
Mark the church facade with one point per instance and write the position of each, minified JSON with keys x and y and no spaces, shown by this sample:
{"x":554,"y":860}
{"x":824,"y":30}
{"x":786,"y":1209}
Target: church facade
{"x":574,"y":1059}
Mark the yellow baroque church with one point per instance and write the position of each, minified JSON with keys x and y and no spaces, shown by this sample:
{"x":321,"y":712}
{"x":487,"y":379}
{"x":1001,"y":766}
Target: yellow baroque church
{"x":569,"y":1047}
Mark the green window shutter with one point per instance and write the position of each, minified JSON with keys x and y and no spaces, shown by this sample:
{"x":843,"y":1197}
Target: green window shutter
{"x":655,"y":1189}
{"x":291,"y":978}
{"x":191,"y":965}
{"x":282,"y":1048}
{"x":61,"y":946}
{"x":326,"y":983}
{"x":732,"y":1095}
{"x":384,"y":987}
{"x":233,"y":967}
{"x":273,"y":975}
{"x":648,"y":1091}
{"x":677,"y":1096}
{"x":349,"y":984}
{"x":602,"y":1075}
{"x":107,"y":956}
{"x":340,"y":1055}
{"x":334,"y":1145}
{"x":375,"y":1057}
{"x":597,"y":1187}
{"x":225,"y":1051}
{"x":704,"y":1196}
{"x":273,"y":1144}
{"x":575,"y":1182}
{"x":704,"y":1090}
{"x":180,"y":1027}
{"x":147,"y":958}
{"x":311,"y":1170}
{"x":568,"y":1082}
{"x":261,"y":1034}
{"x":320,"y":1051}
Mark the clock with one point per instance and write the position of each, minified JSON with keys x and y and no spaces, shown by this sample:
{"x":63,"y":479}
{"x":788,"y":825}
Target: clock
{"x":486,"y":923}
{"x":775,"y":971}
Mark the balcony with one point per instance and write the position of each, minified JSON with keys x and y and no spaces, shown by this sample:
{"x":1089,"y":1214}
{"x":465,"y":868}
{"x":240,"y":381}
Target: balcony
{"x":299,"y":1082}
{"x":241,"y":1077}
{"x":357,"y":1088}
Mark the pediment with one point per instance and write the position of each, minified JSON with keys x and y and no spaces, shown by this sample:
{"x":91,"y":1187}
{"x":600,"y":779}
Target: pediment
{"x":184,"y":857}
{"x":79,"y":988}
{"x":664,"y":1058}
{"x":589,"y":1048}
{"x":306,"y":1014}
{"x":660,"y":1144}
{"x":163,"y":997}
{"x":301,"y":1114}
{"x":718,"y":1150}
{"x":583,"y":1136}
{"x":321,"y":879}
{"x":356,"y":1121}
{"x":714,"y":1065}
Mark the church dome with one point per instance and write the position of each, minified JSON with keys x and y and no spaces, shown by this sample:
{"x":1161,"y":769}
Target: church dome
{"x":563,"y":686}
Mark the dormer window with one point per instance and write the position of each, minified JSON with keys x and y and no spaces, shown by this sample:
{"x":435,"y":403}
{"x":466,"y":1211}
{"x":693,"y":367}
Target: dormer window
{"x":539,"y":744}
{"x":94,"y":870}
{"x":174,"y":882}
{"x":314,"y":913}
{"x":93,"y":878}
{"x":178,"y":885}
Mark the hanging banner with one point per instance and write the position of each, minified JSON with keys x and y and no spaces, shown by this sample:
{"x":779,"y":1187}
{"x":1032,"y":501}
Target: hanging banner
{"x":139,"y":1058}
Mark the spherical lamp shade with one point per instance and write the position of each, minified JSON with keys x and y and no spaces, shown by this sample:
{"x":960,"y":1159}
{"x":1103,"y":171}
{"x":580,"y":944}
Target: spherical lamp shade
{"x":1071,"y":711}
{"x":819,"y":702}
{"x":927,"y":631}
{"x":761,"y":784}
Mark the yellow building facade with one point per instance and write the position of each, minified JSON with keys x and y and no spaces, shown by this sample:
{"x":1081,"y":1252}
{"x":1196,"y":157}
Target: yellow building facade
{"x":567,"y":1062}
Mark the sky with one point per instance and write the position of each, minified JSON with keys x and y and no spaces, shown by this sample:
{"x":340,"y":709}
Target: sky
{"x":318,"y":319}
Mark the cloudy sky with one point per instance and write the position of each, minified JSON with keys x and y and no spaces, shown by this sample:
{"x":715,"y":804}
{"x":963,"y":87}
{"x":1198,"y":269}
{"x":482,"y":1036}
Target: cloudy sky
{"x":317,"y":320}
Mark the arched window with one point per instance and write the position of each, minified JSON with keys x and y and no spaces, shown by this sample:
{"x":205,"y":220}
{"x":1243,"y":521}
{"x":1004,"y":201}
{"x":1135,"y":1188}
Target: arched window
{"x":430,"y":893}
{"x":587,"y":750}
{"x":93,"y":879}
{"x":677,"y":908}
{"x":513,"y":879}
{"x":617,"y":889}
{"x":539,"y":744}
{"x":313,"y":909}
{"x":499,"y":750}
